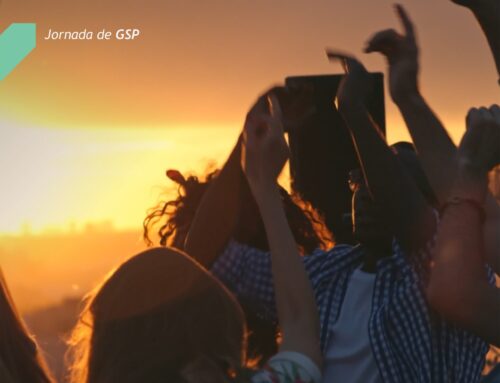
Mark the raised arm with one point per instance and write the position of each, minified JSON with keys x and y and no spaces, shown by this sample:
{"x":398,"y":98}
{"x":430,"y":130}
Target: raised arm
{"x":264,"y":153}
{"x":459,"y":287}
{"x":437,"y":152}
{"x":410,"y":217}
{"x":217,"y":214}
{"x":435,"y":148}
{"x":228,"y":207}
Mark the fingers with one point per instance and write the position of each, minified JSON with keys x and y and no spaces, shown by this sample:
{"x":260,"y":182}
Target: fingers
{"x":389,"y":41}
{"x":473,"y":117}
{"x":334,"y":55}
{"x":349,"y":63}
{"x":254,"y":128}
{"x":249,"y":134}
{"x":495,"y":112}
{"x":406,"y":21}
{"x":261,"y":105}
{"x":481,"y":142}
{"x":279,"y":92}
{"x":485,"y":115}
{"x":384,"y":42}
{"x":472,"y":136}
{"x":276,"y":116}
{"x":483,"y":126}
{"x":274,"y":106}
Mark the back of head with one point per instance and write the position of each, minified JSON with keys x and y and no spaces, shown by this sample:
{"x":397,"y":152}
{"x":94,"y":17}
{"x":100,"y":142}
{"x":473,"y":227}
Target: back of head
{"x":20,"y":360}
{"x":158,"y":315}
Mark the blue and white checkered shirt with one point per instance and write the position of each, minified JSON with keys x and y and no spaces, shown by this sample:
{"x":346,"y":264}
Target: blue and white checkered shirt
{"x":409,"y":341}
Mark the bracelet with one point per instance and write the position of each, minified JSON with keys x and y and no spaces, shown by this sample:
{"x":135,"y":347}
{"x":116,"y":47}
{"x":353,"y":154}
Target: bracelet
{"x":457,"y":201}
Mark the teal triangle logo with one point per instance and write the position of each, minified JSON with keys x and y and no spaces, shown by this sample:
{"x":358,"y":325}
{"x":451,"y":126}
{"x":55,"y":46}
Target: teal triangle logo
{"x":16,"y":42}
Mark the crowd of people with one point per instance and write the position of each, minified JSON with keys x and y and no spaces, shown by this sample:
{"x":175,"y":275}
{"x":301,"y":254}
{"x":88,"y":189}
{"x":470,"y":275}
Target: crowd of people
{"x":248,"y":285}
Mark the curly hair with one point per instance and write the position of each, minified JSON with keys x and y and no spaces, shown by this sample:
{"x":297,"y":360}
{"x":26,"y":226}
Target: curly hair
{"x":174,"y":217}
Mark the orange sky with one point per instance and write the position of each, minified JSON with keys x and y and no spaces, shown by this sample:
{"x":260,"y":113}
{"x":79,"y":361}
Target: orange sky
{"x":88,"y":128}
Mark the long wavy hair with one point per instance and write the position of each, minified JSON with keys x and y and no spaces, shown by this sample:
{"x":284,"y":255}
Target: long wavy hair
{"x":20,"y":357}
{"x":159,"y":317}
{"x":170,"y":220}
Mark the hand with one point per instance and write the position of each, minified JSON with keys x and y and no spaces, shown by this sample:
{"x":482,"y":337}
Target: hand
{"x":264,"y":149}
{"x":261,"y":106}
{"x":297,"y":105}
{"x":356,"y":84}
{"x":479,"y":150}
{"x":401,"y":52}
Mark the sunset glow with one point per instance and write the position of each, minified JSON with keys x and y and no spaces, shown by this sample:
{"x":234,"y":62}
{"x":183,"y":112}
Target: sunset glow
{"x":88,"y":128}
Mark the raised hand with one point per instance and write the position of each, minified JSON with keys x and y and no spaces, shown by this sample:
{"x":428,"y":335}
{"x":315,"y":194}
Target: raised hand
{"x":402,"y":53}
{"x":218,"y":213}
{"x":264,"y":152}
{"x":264,"y":149}
{"x":297,"y":105}
{"x":356,"y":85}
{"x":479,"y":150}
